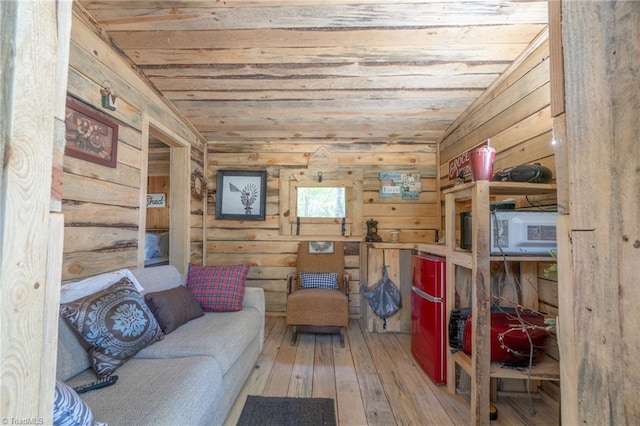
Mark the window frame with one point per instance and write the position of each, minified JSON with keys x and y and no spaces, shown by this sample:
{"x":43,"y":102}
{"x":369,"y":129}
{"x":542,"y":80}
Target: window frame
{"x":290,"y":224}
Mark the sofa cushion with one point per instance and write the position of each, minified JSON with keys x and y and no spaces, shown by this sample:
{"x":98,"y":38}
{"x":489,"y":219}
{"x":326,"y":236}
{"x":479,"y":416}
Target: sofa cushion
{"x":159,"y":392}
{"x":114,"y":325}
{"x":158,"y":278}
{"x":224,"y":336}
{"x":327,"y":280}
{"x":69,"y":409}
{"x":72,"y":356}
{"x":218,"y":288}
{"x":173,"y":307}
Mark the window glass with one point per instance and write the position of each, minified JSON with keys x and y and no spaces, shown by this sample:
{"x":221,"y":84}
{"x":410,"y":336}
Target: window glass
{"x":321,"y":202}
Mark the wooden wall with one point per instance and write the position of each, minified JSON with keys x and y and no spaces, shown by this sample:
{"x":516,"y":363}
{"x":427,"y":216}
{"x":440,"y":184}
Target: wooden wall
{"x":599,"y":236}
{"x":515,"y":113}
{"x":273,"y":255}
{"x":101,"y":205}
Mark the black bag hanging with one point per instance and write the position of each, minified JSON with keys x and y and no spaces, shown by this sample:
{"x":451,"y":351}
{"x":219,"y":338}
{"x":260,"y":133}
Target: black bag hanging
{"x":384,"y":297}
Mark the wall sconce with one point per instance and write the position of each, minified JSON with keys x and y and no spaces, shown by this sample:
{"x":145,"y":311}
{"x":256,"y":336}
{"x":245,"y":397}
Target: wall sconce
{"x":108,"y":96}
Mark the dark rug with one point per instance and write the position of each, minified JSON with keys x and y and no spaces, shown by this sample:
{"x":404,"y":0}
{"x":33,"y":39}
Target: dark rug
{"x":282,"y":411}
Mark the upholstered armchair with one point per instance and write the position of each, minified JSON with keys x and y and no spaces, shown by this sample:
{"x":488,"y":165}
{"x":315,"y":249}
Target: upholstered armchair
{"x":318,"y":293}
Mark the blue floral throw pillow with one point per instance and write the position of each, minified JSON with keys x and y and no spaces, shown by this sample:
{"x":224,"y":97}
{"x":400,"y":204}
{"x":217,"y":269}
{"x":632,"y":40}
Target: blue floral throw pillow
{"x":113,"y":324}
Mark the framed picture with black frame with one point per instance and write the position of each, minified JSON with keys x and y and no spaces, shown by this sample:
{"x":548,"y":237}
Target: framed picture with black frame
{"x":241,"y":195}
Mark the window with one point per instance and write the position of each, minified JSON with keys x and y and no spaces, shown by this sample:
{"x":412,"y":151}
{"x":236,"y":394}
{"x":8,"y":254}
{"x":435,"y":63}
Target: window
{"x":331,"y":207}
{"x":321,"y":202}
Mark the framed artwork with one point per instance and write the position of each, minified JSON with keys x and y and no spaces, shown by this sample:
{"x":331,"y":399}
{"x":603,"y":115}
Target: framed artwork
{"x":89,"y":135}
{"x":241,"y":195}
{"x":320,"y":247}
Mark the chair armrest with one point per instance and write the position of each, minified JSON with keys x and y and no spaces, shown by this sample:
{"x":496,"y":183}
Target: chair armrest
{"x":290,"y":278}
{"x":345,"y":282}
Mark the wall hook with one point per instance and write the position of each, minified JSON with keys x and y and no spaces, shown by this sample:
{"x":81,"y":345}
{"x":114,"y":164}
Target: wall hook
{"x":319,"y":176}
{"x":108,"y":96}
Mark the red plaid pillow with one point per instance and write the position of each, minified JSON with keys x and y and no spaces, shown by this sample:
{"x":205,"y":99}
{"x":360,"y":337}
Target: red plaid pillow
{"x":218,"y":288}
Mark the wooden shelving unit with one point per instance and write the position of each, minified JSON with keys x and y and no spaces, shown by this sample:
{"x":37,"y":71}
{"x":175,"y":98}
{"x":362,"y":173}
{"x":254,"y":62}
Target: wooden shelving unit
{"x":479,"y":365}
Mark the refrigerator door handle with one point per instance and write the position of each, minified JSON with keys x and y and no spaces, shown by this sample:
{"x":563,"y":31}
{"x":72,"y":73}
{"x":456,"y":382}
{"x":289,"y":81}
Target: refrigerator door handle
{"x":426,"y":295}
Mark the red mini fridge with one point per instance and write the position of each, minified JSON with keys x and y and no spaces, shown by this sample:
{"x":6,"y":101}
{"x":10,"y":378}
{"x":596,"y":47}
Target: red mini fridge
{"x":428,"y":322}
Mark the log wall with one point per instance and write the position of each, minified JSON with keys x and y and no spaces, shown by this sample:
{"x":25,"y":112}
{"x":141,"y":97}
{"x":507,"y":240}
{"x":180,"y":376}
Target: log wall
{"x":101,"y":205}
{"x":273,"y":255}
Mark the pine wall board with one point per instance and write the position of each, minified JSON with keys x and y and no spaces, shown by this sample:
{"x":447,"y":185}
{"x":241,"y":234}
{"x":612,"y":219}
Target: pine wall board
{"x":273,"y":255}
{"x":101,"y":205}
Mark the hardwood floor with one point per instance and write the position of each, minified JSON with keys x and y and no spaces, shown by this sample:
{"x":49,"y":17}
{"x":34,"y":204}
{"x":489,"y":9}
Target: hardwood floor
{"x":373,"y":379}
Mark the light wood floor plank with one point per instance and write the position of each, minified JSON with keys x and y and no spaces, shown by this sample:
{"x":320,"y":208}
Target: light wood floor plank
{"x":301,"y":382}
{"x":324,"y":378}
{"x":373,"y":380}
{"x":280,"y":376}
{"x":453,"y":405}
{"x":350,"y":406}
{"x":377,"y":409}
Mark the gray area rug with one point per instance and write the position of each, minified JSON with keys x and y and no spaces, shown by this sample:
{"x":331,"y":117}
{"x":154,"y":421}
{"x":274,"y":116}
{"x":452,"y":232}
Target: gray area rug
{"x":284,"y":411}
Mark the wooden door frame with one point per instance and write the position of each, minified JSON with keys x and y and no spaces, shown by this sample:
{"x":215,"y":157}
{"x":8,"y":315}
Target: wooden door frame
{"x":179,"y":193}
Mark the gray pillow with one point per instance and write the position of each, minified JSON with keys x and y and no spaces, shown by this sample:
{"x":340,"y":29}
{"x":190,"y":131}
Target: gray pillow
{"x":113,"y":325}
{"x":173,"y":307}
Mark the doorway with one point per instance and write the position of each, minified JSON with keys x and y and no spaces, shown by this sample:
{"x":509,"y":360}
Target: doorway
{"x":164,"y":213}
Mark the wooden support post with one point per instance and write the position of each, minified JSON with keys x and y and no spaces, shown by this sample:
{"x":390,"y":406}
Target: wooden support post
{"x":481,"y":305}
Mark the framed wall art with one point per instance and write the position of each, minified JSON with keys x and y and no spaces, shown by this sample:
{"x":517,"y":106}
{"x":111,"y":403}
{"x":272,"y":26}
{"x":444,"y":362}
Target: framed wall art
{"x":320,"y":247}
{"x":89,"y":135}
{"x":241,"y":195}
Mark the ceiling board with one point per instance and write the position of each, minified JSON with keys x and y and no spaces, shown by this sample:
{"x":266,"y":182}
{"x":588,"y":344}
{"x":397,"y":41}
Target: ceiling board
{"x":359,"y":71}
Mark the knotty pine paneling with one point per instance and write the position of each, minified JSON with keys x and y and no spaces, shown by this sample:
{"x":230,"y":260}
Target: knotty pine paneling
{"x":101,"y":205}
{"x":273,"y":255}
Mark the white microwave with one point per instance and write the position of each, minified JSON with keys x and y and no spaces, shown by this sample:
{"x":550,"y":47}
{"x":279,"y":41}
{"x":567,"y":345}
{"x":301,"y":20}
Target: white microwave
{"x":523,"y":232}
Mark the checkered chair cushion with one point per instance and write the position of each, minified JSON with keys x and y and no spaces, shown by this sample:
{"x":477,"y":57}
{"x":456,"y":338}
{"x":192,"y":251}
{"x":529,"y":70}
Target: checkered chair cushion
{"x":327,"y":280}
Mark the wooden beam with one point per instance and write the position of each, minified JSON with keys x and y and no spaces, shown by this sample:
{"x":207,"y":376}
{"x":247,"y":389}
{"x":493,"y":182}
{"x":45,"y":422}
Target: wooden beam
{"x":601,"y":53}
{"x":30,"y":103}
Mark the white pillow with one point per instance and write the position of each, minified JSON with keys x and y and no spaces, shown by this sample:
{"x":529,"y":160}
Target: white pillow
{"x":75,"y":290}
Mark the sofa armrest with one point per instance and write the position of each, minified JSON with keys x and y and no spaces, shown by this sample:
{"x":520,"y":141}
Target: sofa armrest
{"x":254,"y":298}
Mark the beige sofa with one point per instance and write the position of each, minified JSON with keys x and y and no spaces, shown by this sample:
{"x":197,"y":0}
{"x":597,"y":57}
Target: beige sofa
{"x":190,"y":377}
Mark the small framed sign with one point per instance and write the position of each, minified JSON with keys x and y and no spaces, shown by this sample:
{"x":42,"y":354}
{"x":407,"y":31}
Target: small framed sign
{"x":156,"y":201}
{"x":320,"y":247}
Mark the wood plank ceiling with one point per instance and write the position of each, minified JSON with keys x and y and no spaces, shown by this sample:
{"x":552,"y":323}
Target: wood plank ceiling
{"x":365,"y":71}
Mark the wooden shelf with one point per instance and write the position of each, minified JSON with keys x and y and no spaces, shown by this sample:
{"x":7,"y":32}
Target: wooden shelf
{"x":464,"y":258}
{"x":479,"y":367}
{"x":503,"y":188}
{"x":545,"y":369}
